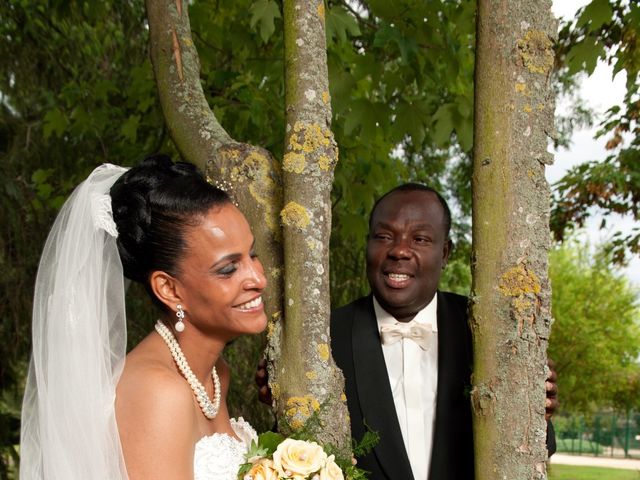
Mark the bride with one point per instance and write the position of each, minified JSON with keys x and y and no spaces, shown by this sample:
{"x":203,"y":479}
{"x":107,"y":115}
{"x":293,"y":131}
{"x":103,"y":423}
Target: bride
{"x":162,"y":413}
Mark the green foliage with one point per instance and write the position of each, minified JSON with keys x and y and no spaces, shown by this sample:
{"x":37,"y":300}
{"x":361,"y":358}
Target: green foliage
{"x":369,"y":440}
{"x":609,"y":31}
{"x":595,"y":15}
{"x":264,"y":13}
{"x":595,"y":339}
{"x":626,"y":389}
{"x":340,"y":24}
{"x":241,"y":59}
{"x":611,"y":185}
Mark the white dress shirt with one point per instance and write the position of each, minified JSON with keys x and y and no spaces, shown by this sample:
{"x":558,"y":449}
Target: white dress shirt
{"x":413,"y":376}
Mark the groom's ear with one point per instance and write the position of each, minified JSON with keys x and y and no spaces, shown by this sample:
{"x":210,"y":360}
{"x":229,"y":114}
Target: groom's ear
{"x":165,"y":288}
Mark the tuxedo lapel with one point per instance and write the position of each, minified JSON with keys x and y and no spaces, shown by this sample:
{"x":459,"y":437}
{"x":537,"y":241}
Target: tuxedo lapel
{"x":446,"y":349}
{"x":452,"y":453}
{"x":374,"y":393}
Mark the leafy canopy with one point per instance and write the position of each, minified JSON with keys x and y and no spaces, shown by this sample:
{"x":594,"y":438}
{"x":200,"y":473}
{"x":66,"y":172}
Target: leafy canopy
{"x":609,"y":31}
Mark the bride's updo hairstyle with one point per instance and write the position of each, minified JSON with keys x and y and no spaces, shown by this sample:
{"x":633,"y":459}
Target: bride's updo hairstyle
{"x":153,"y":203}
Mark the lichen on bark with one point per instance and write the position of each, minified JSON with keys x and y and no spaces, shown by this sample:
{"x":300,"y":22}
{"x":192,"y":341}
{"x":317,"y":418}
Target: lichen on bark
{"x":511,"y":296}
{"x":311,"y":378}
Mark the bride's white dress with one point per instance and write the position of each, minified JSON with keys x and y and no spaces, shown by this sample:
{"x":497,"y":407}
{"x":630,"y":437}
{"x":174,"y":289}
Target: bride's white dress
{"x":218,"y":456}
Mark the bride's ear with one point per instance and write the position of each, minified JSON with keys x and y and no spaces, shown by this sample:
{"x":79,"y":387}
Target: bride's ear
{"x":165,"y":288}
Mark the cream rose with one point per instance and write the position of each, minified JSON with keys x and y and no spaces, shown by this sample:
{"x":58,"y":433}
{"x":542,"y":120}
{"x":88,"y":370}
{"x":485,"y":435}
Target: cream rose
{"x":298,"y":459}
{"x":262,"y":470}
{"x":331,"y":470}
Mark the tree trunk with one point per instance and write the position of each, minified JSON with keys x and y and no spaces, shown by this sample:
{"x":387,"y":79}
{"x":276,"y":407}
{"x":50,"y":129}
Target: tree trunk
{"x":302,"y":373}
{"x":309,"y":383}
{"x":511,"y":296}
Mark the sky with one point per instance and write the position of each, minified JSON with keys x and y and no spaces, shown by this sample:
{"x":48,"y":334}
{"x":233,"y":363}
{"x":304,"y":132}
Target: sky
{"x":601,"y":92}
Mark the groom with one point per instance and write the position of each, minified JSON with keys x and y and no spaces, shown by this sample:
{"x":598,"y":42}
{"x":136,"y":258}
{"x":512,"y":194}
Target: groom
{"x":414,"y":392}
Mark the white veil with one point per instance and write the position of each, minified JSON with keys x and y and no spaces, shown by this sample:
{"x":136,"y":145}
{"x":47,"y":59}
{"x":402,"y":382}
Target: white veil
{"x":79,"y":343}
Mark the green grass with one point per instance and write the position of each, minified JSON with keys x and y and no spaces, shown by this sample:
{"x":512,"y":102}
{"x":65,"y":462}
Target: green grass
{"x":570,"y":472}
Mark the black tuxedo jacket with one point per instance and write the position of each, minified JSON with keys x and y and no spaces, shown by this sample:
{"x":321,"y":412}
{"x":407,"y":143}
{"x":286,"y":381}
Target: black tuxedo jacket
{"x":356,"y":348}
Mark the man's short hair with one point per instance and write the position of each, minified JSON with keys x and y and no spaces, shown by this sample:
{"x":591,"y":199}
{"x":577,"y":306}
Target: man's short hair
{"x":417,"y":187}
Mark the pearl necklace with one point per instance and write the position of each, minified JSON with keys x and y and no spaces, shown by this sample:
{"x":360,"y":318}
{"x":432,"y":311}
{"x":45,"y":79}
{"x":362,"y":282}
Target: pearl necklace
{"x":209,"y":408}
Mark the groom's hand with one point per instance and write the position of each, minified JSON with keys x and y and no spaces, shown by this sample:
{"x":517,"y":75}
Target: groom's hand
{"x":262,"y":381}
{"x":551,"y":403}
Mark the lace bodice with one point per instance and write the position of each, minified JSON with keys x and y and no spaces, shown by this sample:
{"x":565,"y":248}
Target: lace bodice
{"x":218,"y":456}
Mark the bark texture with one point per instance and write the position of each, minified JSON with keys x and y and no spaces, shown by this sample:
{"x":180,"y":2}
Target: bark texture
{"x":510,"y":302}
{"x":307,"y":382}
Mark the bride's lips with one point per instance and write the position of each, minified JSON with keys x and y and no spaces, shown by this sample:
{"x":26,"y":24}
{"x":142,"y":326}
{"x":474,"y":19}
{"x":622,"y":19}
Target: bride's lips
{"x":253,"y":305}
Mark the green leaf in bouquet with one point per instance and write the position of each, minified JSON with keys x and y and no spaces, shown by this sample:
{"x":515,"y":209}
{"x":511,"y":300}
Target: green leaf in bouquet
{"x":269,"y":441}
{"x":366,"y":443}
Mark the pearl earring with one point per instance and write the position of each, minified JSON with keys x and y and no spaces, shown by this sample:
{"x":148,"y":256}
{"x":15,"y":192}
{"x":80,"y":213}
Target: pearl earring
{"x":179,"y":326}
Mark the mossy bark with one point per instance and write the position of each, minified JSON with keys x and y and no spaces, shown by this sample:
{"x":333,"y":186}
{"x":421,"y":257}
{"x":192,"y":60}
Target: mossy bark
{"x":308,"y":382}
{"x":510,"y":301}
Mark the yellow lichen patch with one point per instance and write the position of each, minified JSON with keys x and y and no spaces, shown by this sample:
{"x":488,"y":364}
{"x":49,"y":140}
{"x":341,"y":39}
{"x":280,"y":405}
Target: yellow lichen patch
{"x":536,"y":51}
{"x":299,"y":409}
{"x":271,"y":326}
{"x":235,"y":175}
{"x":343,"y":397}
{"x":519,"y":281}
{"x":521,"y":88}
{"x":313,"y":243}
{"x":324,"y":162}
{"x":309,"y":137}
{"x":229,"y":153}
{"x":295,"y":215}
{"x":275,"y":390}
{"x":522,"y":305}
{"x":531,"y":173}
{"x":527,"y":108}
{"x":262,"y":192}
{"x":323,"y":351}
{"x":293,"y":162}
{"x":321,"y":10}
{"x":257,"y":161}
{"x":311,"y":375}
{"x":325,"y":97}
{"x":293,"y":139}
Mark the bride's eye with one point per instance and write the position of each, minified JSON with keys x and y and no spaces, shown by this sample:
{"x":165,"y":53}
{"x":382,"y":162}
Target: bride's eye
{"x":228,"y":269}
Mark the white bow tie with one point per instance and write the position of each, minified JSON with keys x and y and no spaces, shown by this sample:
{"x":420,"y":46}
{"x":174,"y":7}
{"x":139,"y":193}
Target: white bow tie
{"x":418,"y":332}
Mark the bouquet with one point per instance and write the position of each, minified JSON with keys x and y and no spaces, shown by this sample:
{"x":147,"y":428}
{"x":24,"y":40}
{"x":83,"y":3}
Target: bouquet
{"x":274,"y":457}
